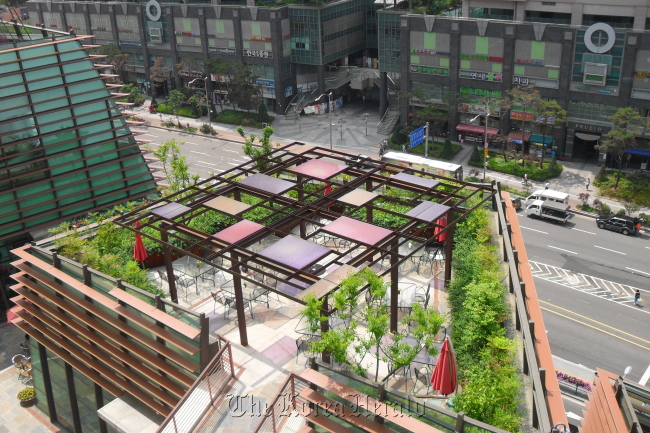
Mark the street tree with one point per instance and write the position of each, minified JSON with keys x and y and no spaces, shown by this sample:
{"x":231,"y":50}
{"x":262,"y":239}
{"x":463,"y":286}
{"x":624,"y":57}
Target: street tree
{"x":114,"y":57}
{"x":628,"y":125}
{"x":223,"y":70}
{"x":175,"y":101}
{"x":243,"y":90}
{"x":349,"y":344}
{"x":261,"y":151}
{"x":547,"y":115}
{"x":160,"y":73}
{"x":175,"y":167}
{"x":526,"y":99}
{"x":191,"y":66}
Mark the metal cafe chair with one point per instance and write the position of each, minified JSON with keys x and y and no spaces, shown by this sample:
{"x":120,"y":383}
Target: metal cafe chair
{"x":223,"y":299}
{"x":422,"y":373}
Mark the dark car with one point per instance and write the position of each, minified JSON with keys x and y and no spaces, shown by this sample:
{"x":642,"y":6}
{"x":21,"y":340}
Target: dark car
{"x":619,"y":223}
{"x":359,"y":161}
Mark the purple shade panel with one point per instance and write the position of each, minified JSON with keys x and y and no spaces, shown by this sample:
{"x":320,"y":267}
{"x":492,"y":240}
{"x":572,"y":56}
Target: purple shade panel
{"x":428,"y":211}
{"x":170,"y":210}
{"x":358,"y":231}
{"x":267,"y":183}
{"x":294,"y":252}
{"x":416,"y":180}
{"x":238,"y":231}
{"x":319,"y":169}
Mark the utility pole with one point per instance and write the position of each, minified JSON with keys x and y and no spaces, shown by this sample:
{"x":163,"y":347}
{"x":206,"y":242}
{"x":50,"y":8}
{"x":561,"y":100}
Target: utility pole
{"x":426,"y":140}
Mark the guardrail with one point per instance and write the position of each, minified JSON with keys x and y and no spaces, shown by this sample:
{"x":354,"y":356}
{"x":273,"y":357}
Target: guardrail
{"x":276,"y":414}
{"x":547,"y":406}
{"x":207,"y":388}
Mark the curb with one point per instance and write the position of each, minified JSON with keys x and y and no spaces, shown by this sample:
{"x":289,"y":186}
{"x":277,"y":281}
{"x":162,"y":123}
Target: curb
{"x":217,"y":135}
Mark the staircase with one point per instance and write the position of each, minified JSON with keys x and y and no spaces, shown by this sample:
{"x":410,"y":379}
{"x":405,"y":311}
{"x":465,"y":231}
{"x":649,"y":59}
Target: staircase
{"x":391,"y":116}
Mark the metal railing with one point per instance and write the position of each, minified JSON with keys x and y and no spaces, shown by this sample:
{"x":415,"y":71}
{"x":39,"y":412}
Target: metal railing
{"x":201,"y":396}
{"x":286,"y":402}
{"x":544,"y":415}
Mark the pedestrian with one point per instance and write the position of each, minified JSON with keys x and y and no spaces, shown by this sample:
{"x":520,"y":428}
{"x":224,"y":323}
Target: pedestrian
{"x":637,"y":296}
{"x":403,"y":148}
{"x":588,"y":181}
{"x":546,"y":186}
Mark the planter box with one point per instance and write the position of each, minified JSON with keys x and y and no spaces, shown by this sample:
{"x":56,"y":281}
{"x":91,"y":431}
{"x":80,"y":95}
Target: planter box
{"x":28,"y":403}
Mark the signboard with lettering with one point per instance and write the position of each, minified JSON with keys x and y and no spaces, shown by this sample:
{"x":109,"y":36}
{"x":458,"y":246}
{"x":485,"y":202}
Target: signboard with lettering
{"x":520,"y":115}
{"x":259,"y":53}
{"x":607,"y":90}
{"x":481,"y":57}
{"x":416,"y":137}
{"x":481,"y":76}
{"x":429,"y":70}
{"x":264,"y":82}
{"x":517,"y":79}
{"x":229,"y":51}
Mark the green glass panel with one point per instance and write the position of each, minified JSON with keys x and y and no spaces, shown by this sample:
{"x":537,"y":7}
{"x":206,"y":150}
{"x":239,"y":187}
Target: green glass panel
{"x":220,"y":26}
{"x":246,"y":45}
{"x":76,"y":209}
{"x":520,"y":70}
{"x":537,"y":50}
{"x":68,"y":161}
{"x":80,"y":76}
{"x":482,"y":45}
{"x":465,"y":64}
{"x":41,"y":188}
{"x":429,"y":41}
{"x":39,"y":209}
{"x":497,"y":67}
{"x":6,"y":230}
{"x":256,"y":29}
{"x":415,"y":60}
{"x":554,"y":74}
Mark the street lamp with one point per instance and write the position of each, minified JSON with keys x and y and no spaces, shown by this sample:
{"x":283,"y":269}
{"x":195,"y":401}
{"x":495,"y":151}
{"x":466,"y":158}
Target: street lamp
{"x":207,"y":102}
{"x":341,"y":124}
{"x":366,"y":114}
{"x":485,"y":138}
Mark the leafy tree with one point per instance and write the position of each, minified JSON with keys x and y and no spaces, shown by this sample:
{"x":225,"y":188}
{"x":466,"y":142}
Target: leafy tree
{"x":258,"y":152}
{"x":262,"y":113}
{"x":447,"y":150}
{"x":601,"y":176}
{"x":627,"y":125}
{"x":191,"y":65}
{"x":526,"y":98}
{"x":175,"y":101}
{"x":243,"y":88}
{"x":114,"y":57}
{"x":547,"y":115}
{"x":349,"y":346}
{"x":197,"y":102}
{"x":133,"y":91}
{"x":159,"y":73}
{"x":222,"y":69}
{"x":174,"y":166}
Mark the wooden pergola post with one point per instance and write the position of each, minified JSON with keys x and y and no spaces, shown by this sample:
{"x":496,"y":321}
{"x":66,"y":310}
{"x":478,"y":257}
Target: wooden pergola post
{"x":239,"y":300}
{"x":394,"y":280}
{"x":169,"y":268}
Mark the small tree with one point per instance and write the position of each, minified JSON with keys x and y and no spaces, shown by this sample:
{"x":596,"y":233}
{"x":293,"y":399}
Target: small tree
{"x":627,"y":125}
{"x":258,"y":152}
{"x":114,"y":57}
{"x":159,"y":73}
{"x":632,"y":208}
{"x":243,"y":88}
{"x":601,"y":176}
{"x":133,"y":91}
{"x":447,"y":150}
{"x":174,"y":166}
{"x":526,"y":98}
{"x":222,"y":69}
{"x":175,"y":101}
{"x":262,"y":113}
{"x":548,"y":115}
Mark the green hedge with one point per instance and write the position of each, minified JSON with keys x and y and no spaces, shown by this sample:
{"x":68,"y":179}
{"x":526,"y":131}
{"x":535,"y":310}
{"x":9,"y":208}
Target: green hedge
{"x":182,"y":112}
{"x":485,"y":356}
{"x":243,"y":118}
{"x":496,"y":162}
{"x":632,"y":187}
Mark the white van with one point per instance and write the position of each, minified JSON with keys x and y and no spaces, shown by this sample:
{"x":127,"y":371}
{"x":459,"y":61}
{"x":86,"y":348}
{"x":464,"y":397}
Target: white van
{"x":548,"y":194}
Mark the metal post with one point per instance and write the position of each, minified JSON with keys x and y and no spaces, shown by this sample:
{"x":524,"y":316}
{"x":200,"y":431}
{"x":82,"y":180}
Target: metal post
{"x":341,"y":124}
{"x":485,"y":142}
{"x":426,"y":140}
{"x":366,"y":114}
{"x":207,"y":105}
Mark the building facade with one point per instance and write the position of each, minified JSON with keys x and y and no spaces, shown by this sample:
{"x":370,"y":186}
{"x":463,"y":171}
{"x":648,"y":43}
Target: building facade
{"x":590,"y":70}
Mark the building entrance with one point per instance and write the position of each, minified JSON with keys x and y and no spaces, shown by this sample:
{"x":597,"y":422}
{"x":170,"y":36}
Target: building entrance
{"x":584,"y":146}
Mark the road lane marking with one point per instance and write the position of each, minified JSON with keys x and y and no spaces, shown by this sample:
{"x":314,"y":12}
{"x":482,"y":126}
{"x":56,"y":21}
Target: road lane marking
{"x":607,"y":249}
{"x":203,"y":162}
{"x":189,"y":142}
{"x":584,"y":231}
{"x":228,"y":150}
{"x":232,"y":163}
{"x":596,"y":328}
{"x":538,"y":231}
{"x":556,"y":248}
{"x":645,"y":377}
{"x":200,"y":153}
{"x":593,"y":320}
{"x":648,"y":248}
{"x":635,"y":270}
{"x":150,"y":135}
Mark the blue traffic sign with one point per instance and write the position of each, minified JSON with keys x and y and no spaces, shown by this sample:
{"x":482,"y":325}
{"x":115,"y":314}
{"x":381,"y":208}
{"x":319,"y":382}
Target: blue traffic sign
{"x":417,"y":137}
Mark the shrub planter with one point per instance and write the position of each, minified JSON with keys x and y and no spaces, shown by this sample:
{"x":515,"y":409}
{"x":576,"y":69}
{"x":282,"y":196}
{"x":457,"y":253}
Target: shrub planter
{"x":27,"y":397}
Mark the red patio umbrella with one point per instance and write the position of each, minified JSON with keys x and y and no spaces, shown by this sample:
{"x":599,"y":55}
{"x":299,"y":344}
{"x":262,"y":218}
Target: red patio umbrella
{"x":11,"y":314}
{"x":139,"y":252}
{"x":442,"y":222}
{"x":328,"y":188}
{"x":444,"y":377}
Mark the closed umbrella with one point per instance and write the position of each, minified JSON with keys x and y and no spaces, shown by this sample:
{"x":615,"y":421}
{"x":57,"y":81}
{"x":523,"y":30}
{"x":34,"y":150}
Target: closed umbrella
{"x":139,"y":252}
{"x":442,"y":222}
{"x":328,"y":188}
{"x":444,"y":377}
{"x":11,"y":314}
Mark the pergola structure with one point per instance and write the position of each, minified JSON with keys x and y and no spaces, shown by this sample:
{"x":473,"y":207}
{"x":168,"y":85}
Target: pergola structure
{"x":286,"y":208}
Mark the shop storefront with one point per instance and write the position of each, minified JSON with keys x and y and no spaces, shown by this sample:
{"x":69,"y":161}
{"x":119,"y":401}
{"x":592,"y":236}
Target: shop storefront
{"x":540,"y":145}
{"x":475,"y":134}
{"x":517,"y":141}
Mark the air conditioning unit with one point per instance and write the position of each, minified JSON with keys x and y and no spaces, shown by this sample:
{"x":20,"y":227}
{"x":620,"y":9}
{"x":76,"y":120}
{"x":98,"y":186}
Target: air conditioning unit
{"x":155,"y":35}
{"x":595,"y":73}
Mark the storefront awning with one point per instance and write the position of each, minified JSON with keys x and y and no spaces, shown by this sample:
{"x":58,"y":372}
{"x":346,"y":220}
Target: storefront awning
{"x":641,"y":152}
{"x":476,"y":129}
{"x":587,"y":137}
{"x":537,"y":140}
{"x":518,"y":137}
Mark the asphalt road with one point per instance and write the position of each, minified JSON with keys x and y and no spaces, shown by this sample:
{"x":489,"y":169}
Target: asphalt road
{"x":585,"y":278}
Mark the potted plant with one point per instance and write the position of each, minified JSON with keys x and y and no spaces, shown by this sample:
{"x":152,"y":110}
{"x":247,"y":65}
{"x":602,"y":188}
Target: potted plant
{"x":27,"y":397}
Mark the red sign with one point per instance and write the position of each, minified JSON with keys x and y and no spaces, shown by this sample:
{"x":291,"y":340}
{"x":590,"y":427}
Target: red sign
{"x":521,"y":115}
